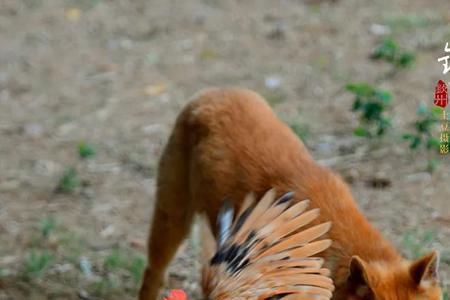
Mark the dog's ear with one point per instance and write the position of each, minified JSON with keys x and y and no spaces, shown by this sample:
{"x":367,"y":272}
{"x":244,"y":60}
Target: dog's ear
{"x":360,"y":279}
{"x":425,"y":269}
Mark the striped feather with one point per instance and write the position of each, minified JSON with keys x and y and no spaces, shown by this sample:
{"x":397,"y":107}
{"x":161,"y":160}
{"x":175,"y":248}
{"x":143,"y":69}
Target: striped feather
{"x":267,"y":252}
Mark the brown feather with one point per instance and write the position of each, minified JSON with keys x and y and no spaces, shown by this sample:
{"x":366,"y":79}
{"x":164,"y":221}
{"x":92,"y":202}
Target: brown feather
{"x":269,"y":254}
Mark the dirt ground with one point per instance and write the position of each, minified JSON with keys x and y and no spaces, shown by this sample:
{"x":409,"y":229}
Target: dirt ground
{"x":116,"y":73}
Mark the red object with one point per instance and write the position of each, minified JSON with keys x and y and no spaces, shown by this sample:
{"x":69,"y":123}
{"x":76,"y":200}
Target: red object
{"x":441,"y":94}
{"x":176,"y":295}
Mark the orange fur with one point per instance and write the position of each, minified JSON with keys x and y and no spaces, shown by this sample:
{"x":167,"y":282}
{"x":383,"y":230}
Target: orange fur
{"x":227,"y":142}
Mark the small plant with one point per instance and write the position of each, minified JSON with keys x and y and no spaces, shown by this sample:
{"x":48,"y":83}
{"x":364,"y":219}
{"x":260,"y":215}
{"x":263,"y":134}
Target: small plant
{"x":301,"y":130}
{"x":389,"y":51}
{"x":428,"y":118}
{"x":37,"y":262}
{"x":105,"y":285}
{"x":117,"y":260}
{"x":372,"y":104}
{"x":415,"y":245}
{"x":114,"y":260}
{"x":137,"y":267}
{"x":85,"y":150}
{"x":68,"y":182}
{"x":46,"y":226}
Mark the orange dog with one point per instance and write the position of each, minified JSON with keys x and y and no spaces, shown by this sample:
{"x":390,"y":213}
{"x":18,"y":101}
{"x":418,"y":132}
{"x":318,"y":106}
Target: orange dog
{"x":227,"y":142}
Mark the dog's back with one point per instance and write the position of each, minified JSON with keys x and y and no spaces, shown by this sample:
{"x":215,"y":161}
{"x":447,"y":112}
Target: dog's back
{"x":237,"y":145}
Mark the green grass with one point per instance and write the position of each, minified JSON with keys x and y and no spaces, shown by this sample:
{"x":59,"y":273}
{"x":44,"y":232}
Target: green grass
{"x":115,"y":260}
{"x":136,"y":267}
{"x":37,"y":262}
{"x":68,"y":182}
{"x":118,"y":260}
{"x":105,"y":285}
{"x":47,"y":226}
{"x":86,"y":150}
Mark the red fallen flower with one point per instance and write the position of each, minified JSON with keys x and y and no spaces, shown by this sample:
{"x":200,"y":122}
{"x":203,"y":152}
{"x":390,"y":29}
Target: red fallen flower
{"x":176,"y":295}
{"x":441,"y":94}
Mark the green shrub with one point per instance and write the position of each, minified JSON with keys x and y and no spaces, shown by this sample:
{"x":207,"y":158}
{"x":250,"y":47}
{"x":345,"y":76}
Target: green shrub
{"x":371,"y":103}
{"x":427,"y":120}
{"x":68,"y":182}
{"x":85,"y":150}
{"x":389,"y":51}
{"x":46,"y":226}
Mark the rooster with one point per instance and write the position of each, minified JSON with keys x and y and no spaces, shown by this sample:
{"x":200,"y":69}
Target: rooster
{"x":266,"y":253}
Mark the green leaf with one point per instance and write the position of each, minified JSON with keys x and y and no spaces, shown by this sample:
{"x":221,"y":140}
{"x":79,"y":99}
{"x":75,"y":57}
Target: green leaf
{"x":433,"y":143}
{"x":357,"y":104}
{"x":37,"y":262}
{"x":85,"y":150}
{"x":389,"y":51}
{"x":359,"y":131}
{"x":415,"y":143}
{"x":137,"y":267}
{"x":69,"y":181}
{"x":361,"y":89}
{"x":436,"y":111}
{"x":383,"y":125}
{"x":405,"y":59}
{"x":114,"y":260}
{"x":46,"y":226}
{"x":408,"y":136}
{"x":384,"y":96}
{"x":372,"y":111}
{"x":385,"y":50}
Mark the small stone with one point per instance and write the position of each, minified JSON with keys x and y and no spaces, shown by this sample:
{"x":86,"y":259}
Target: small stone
{"x":153,"y":129}
{"x":273,"y":82}
{"x":33,"y":129}
{"x":85,"y":266}
{"x":379,"y":29}
{"x":64,"y":268}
